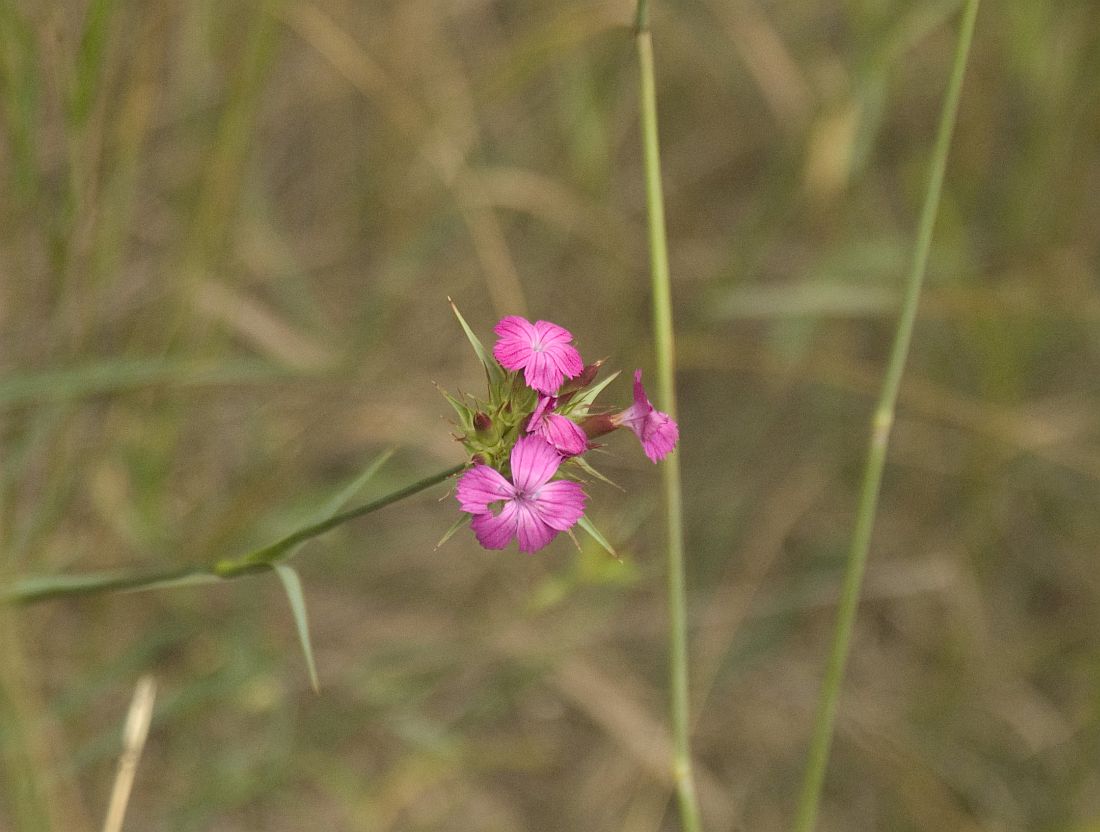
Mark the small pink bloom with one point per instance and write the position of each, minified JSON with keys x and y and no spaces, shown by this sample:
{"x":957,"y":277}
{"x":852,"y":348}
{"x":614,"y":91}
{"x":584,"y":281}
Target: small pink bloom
{"x":534,"y":509}
{"x":564,"y":434}
{"x":541,"y":349}
{"x":657,"y":431}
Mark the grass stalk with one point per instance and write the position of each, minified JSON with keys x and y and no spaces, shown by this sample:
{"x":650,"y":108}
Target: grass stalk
{"x":881,"y":425}
{"x":666,"y":387}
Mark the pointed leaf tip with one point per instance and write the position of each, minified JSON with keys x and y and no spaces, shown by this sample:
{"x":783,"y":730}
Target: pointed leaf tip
{"x":494,"y":371}
{"x":293,"y":586}
{"x":594,"y":533}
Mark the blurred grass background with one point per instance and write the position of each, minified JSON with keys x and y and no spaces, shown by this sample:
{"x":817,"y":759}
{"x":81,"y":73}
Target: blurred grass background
{"x":227,"y":235}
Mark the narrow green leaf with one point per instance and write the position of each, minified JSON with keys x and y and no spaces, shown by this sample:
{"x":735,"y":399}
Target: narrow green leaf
{"x":290,"y":544}
{"x":492,"y":368}
{"x":297,"y":599}
{"x":583,"y":401}
{"x":594,"y":533}
{"x":259,"y":559}
{"x":196,"y":579}
{"x":344,"y":495}
{"x":56,"y":586}
{"x":462,"y":520}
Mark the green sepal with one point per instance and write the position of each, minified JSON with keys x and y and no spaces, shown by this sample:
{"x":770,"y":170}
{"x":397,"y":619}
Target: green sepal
{"x":580,"y":403}
{"x":585,"y":466}
{"x":594,"y":533}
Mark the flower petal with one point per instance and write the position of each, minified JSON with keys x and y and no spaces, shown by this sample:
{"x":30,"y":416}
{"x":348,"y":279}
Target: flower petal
{"x":560,"y":504}
{"x":480,"y":486}
{"x":567,"y":359}
{"x":534,"y":462}
{"x":659,"y":436}
{"x":564,"y":434}
{"x":640,"y":398}
{"x":533,"y":532}
{"x":542,"y":372}
{"x":514,"y":347}
{"x":545,"y":403}
{"x":495,"y":531}
{"x":549,"y":333}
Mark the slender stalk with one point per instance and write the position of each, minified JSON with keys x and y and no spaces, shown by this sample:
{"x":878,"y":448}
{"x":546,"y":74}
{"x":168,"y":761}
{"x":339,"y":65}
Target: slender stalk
{"x":881,"y":425}
{"x":666,"y":386}
{"x":269,"y":554}
{"x":31,"y":590}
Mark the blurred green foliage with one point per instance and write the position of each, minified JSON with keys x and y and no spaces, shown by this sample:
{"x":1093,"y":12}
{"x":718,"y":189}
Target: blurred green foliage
{"x":227,"y":236}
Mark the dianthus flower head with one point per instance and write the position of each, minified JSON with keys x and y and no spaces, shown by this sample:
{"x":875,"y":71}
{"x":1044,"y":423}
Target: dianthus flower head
{"x":562,"y":433}
{"x":541,"y":349}
{"x":657,"y":431}
{"x":533,"y":509}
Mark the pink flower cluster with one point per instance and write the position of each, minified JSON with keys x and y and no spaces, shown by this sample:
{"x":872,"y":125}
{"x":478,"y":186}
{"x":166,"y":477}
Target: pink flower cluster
{"x":535,"y":430}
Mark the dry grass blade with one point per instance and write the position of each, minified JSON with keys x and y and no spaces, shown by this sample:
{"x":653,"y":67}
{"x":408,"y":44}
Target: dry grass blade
{"x":133,"y":742}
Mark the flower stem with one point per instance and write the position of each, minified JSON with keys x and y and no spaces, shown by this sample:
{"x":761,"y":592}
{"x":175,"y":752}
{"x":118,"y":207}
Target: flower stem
{"x":881,"y":425}
{"x":31,"y":590}
{"x":666,"y":386}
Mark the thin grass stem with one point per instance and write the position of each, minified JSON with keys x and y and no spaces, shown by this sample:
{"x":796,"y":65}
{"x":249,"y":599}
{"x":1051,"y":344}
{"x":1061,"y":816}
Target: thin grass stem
{"x":666,"y":386}
{"x":882,"y":422}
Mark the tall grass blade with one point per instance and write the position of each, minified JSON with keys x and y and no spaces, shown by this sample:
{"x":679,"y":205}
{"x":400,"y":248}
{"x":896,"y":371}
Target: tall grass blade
{"x":118,"y":375}
{"x":18,"y":64}
{"x":882,"y":422}
{"x":89,"y":59}
{"x":682,"y":765}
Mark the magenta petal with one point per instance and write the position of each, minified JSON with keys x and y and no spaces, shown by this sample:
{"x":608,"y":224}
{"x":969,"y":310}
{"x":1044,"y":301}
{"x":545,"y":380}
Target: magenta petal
{"x":542,"y":372}
{"x":659,"y":436}
{"x":564,"y":434}
{"x":657,"y":431}
{"x":513,"y":327}
{"x":542,"y":350}
{"x":545,"y":403}
{"x":533,"y":532}
{"x":495,"y":531}
{"x":549,"y":333}
{"x":534,"y":462}
{"x":480,"y":486}
{"x":640,"y":397}
{"x":515,"y":345}
{"x":560,"y":504}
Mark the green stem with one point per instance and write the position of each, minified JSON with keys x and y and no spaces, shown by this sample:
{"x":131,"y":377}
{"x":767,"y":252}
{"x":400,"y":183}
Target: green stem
{"x":881,"y":425}
{"x":31,"y":590}
{"x":666,"y":386}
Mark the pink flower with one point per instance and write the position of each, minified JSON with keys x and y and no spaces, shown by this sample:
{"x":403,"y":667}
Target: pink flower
{"x":657,"y":431}
{"x":541,"y":349}
{"x":534,"y":509}
{"x":564,"y":434}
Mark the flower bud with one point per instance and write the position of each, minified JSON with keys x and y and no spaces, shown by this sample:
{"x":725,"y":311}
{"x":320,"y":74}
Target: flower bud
{"x":597,"y":425}
{"x":587,"y":376}
{"x":482,"y":422}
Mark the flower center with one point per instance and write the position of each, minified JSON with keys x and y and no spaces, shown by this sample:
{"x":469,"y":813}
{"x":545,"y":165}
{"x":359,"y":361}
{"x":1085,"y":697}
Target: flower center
{"x":536,"y":346}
